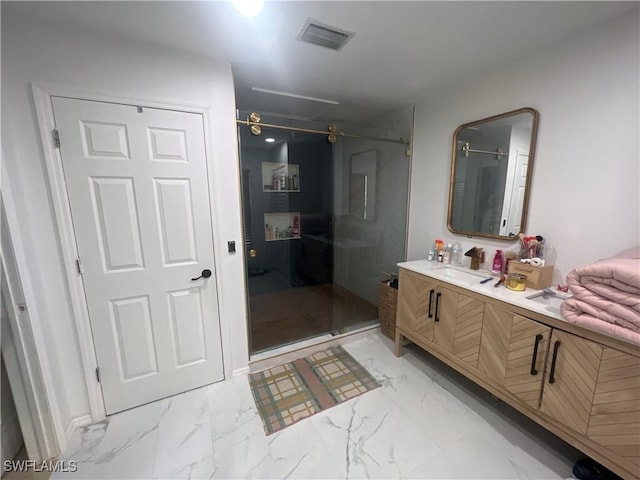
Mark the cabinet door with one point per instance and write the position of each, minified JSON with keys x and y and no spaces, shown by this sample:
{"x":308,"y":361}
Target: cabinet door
{"x":416,"y":304}
{"x":571,"y":376}
{"x":512,"y":353}
{"x":595,"y":390}
{"x":615,"y":411}
{"x":458,"y":324}
{"x":446,"y":307}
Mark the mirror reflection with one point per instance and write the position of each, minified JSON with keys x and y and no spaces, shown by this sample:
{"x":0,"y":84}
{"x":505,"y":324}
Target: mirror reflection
{"x":491,"y":173}
{"x":362,"y":185}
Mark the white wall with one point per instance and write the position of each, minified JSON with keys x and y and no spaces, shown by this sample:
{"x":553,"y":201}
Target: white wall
{"x":584,"y":197}
{"x":33,"y":52}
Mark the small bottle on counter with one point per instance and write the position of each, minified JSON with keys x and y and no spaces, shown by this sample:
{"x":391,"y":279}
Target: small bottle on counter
{"x":446,"y":255}
{"x":496,"y":268}
{"x":456,"y":254}
{"x":438,"y":249}
{"x":430,"y":256}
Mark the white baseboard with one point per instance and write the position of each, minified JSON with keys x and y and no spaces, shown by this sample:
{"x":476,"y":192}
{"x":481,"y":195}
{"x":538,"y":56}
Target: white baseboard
{"x":75,"y":424}
{"x":239,"y":372}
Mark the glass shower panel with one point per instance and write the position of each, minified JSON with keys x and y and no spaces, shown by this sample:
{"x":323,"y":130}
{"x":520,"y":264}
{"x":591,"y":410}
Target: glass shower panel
{"x":287,"y":189}
{"x":370,"y":207}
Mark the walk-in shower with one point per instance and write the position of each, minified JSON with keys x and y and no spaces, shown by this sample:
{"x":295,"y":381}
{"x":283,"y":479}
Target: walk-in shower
{"x":325,"y":215}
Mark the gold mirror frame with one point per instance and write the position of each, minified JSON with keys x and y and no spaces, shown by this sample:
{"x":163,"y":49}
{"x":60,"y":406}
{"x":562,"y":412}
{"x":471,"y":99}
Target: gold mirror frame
{"x":498,"y":153}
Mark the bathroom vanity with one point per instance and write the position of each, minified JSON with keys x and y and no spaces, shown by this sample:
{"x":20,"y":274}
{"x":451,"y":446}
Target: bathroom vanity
{"x":581,"y":385}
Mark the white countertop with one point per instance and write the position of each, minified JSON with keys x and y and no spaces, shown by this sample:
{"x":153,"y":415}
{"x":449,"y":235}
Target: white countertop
{"x":470,"y":280}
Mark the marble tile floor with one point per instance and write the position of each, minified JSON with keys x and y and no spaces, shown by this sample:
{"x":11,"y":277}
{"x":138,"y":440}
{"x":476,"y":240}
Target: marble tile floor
{"x":425,"y":422}
{"x":28,"y":474}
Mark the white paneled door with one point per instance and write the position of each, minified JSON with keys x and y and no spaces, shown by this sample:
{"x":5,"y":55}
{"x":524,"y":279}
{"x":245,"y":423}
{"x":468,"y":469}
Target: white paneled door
{"x":137,"y":185}
{"x":516,"y":193}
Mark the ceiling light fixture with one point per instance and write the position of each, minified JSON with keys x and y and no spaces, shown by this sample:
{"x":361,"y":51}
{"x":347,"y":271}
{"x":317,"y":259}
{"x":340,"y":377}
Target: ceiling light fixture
{"x":249,"y":8}
{"x":293,"y":95}
{"x":269,"y":140}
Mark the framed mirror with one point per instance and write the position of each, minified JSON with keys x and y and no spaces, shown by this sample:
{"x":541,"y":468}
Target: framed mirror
{"x":491,"y":167}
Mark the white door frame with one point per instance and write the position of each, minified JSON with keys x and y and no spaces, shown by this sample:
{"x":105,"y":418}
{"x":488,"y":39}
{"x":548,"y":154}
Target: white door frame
{"x":29,"y":375}
{"x":42,"y":93}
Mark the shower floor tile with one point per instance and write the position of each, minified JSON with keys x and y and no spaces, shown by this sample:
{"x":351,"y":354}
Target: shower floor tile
{"x":299,"y":313}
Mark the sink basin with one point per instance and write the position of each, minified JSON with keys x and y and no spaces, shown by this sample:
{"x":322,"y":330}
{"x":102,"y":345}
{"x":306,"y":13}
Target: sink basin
{"x":548,"y":299}
{"x":460,"y":274}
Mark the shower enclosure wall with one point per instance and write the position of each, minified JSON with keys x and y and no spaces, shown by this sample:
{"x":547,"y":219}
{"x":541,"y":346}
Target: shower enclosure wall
{"x":324,"y":224}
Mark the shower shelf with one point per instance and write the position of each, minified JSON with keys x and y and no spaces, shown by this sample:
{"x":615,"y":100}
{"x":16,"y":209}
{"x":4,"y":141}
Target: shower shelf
{"x":281,"y":226}
{"x":280,"y":177}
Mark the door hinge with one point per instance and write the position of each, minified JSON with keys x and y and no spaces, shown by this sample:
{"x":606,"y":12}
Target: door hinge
{"x":56,"y":138}
{"x":140,"y":109}
{"x":98,"y":374}
{"x":79,"y":266}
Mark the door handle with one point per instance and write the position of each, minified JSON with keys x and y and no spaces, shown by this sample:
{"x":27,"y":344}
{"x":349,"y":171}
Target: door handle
{"x":437,"y":319}
{"x":431,"y":292}
{"x":534,"y":359}
{"x":552,"y":378}
{"x":206,"y":273}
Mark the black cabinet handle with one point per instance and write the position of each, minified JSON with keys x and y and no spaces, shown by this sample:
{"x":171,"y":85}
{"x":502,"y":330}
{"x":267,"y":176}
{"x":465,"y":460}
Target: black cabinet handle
{"x":431,"y":292}
{"x":206,"y":273}
{"x":556,"y":346}
{"x":437,"y":319}
{"x":534,"y":359}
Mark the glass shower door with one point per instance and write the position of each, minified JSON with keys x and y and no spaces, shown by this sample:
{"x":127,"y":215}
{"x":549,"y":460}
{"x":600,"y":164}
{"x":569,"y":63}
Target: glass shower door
{"x":287,"y":202}
{"x":324,"y":224}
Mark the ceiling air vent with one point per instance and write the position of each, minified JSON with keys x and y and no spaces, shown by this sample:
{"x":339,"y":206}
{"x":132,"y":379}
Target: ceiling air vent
{"x":320,"y":34}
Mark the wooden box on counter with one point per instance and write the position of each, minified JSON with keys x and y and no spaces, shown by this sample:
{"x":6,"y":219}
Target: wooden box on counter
{"x":537,"y":277}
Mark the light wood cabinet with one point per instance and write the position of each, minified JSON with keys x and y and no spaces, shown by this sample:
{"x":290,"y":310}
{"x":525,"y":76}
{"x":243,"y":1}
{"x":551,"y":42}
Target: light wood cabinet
{"x":572,"y":373}
{"x":458,"y":324}
{"x":512,"y":353}
{"x":441,"y":316}
{"x":582,"y":389}
{"x":615,"y":411}
{"x":595,"y":390}
{"x":416,"y":301}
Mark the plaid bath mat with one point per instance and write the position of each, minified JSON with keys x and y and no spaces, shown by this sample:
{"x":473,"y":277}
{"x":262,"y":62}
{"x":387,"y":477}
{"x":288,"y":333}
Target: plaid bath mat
{"x":288,"y":393}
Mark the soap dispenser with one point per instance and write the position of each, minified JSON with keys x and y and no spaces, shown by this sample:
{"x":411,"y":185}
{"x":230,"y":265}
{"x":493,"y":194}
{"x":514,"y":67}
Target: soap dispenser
{"x":496,"y":269}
